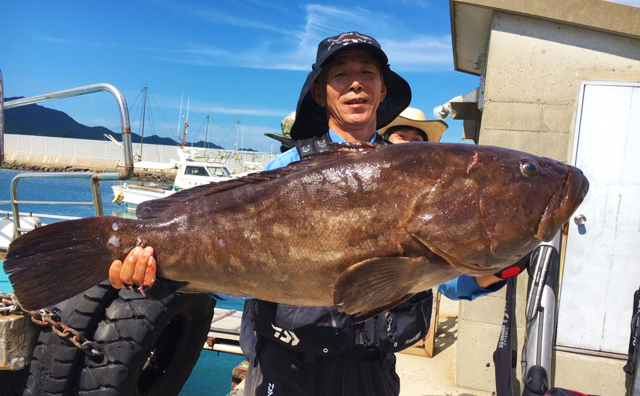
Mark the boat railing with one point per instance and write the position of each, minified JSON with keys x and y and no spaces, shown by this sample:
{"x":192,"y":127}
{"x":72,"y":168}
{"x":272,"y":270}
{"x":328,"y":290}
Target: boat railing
{"x":94,"y":177}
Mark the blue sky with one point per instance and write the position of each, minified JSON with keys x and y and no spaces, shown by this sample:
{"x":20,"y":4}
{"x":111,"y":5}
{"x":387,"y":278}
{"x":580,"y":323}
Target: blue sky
{"x":237,"y":61}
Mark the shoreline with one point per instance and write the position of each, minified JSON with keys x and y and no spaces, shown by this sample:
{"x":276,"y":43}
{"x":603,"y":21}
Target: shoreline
{"x":144,"y":175}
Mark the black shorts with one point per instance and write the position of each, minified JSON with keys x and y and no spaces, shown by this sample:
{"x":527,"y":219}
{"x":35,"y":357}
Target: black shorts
{"x":278,"y":371}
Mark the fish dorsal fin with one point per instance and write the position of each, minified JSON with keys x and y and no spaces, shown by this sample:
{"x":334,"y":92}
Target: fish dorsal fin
{"x":154,"y":208}
{"x":359,"y":147}
{"x":338,"y":151}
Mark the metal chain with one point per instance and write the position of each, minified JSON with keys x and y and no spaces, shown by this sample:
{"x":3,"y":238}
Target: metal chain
{"x":8,"y":304}
{"x":43,"y":317}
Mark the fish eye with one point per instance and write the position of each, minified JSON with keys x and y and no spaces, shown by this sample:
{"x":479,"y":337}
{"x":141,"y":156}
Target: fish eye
{"x":529,"y":168}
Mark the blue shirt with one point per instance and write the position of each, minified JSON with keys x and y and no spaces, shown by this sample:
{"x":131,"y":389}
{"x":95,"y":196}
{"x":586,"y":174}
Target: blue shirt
{"x":462,"y":288}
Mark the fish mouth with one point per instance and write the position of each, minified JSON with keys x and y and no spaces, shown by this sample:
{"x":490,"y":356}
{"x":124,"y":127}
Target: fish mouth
{"x":562,"y":204}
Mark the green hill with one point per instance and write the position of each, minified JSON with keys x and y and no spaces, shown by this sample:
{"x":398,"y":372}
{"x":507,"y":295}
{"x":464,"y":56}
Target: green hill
{"x":38,"y":120}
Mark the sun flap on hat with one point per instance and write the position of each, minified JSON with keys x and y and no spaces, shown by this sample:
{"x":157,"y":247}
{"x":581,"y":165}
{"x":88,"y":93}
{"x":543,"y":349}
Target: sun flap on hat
{"x":311,"y":119}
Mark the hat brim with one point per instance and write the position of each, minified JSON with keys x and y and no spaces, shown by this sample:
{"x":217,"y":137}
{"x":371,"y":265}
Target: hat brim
{"x":284,"y":140}
{"x":311,"y":119}
{"x":433,"y":128}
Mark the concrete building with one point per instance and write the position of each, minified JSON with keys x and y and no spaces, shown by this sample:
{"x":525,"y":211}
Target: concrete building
{"x":561,"y":79}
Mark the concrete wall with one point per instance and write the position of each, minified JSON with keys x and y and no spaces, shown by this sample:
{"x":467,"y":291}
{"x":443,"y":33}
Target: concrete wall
{"x":533,"y":74}
{"x":534,"y":70}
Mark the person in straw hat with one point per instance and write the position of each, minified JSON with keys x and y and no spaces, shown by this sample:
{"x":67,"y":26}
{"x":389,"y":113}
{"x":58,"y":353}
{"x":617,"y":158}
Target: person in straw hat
{"x":412,"y":126}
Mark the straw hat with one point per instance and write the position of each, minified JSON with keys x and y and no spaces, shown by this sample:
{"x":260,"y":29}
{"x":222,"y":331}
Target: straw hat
{"x":415,"y":118}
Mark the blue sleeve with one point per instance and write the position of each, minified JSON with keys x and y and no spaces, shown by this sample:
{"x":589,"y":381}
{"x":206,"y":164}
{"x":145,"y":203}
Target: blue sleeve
{"x":466,"y":288}
{"x":283,"y":159}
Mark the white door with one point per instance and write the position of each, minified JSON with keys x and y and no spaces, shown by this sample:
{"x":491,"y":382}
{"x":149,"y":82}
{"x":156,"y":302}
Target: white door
{"x":602,"y":265}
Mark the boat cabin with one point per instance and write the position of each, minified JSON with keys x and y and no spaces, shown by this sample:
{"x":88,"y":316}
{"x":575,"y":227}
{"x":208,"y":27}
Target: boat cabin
{"x":191,"y":174}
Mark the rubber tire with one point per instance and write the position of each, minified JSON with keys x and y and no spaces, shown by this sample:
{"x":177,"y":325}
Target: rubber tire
{"x":56,"y":363}
{"x":173,"y":329}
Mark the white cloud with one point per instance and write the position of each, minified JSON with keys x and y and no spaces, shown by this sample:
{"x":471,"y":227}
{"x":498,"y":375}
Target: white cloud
{"x":406,"y":50}
{"x":296,"y":50}
{"x":198,"y":106}
{"x":633,"y":3}
{"x":418,"y":53}
{"x":289,"y":49}
{"x":211,"y":14}
{"x":237,"y":111}
{"x":412,"y":3}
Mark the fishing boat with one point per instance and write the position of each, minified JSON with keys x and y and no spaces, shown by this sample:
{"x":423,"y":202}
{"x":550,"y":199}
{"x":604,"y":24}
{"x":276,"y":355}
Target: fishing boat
{"x":193,"y":167}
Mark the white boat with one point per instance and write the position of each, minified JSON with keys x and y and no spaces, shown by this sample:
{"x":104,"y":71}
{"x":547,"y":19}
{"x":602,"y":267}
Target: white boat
{"x":194,"y":168}
{"x":7,"y":234}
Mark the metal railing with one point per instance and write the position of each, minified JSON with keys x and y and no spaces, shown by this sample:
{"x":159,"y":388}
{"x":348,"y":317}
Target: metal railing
{"x":1,"y":119}
{"x":94,"y":177}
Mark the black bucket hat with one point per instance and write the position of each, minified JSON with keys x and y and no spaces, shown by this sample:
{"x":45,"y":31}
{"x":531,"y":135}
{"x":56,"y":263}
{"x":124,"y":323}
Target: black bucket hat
{"x":311,"y":119}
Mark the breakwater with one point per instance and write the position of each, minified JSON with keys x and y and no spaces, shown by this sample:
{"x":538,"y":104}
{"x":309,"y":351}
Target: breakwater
{"x":39,"y":163}
{"x":48,"y":154}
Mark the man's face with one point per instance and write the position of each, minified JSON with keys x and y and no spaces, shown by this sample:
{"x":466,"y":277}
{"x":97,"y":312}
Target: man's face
{"x":405,"y":135}
{"x":351,"y":90}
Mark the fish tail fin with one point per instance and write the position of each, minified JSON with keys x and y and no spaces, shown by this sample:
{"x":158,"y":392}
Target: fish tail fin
{"x":55,"y":262}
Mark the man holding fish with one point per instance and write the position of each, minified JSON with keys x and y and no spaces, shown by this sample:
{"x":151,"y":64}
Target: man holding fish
{"x":349,"y":231}
{"x":349,"y":95}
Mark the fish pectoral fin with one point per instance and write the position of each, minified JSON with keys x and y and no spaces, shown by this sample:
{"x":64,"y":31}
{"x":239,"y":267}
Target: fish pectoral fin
{"x":372,"y":286}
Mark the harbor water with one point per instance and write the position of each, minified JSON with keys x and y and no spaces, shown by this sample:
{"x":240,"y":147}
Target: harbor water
{"x":212,"y":374}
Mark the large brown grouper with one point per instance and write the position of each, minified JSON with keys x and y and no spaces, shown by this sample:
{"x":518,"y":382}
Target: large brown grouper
{"x":362,"y":226}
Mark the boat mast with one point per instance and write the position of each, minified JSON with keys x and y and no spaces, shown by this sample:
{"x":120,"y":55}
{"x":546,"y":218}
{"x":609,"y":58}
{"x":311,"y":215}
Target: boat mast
{"x":144,"y":115}
{"x":206,"y":134}
{"x":180,"y":116}
{"x":186,"y":126}
{"x":237,"y":131}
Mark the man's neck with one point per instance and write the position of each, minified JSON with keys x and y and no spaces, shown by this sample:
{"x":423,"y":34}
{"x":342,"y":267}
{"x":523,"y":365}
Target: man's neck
{"x":354,"y":135}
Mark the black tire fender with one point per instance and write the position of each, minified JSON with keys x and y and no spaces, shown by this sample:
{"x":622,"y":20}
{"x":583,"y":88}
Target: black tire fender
{"x":56,"y":362}
{"x":150,"y":346}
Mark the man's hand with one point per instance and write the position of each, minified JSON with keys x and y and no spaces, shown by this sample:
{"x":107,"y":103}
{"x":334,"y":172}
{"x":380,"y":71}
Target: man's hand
{"x":138,"y":268}
{"x":504,"y":274}
{"x":514,"y":269}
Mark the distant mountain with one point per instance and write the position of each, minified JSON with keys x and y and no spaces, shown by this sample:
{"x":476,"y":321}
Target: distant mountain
{"x":41,"y":121}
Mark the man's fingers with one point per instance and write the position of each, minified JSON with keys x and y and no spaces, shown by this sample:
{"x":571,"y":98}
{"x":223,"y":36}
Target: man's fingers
{"x":114,"y":274}
{"x":150,"y":273}
{"x":141,"y":266}
{"x":129,"y":266}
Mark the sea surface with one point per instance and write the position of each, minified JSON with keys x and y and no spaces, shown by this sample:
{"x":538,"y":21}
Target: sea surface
{"x":212,"y":374}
